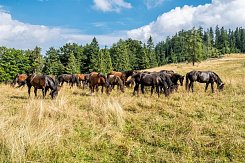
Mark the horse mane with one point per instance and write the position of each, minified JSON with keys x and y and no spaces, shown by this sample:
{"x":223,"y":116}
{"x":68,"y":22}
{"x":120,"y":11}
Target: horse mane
{"x":218,"y":78}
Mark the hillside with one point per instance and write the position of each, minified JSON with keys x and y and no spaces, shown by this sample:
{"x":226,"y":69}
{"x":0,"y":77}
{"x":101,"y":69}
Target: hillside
{"x":77,"y":127}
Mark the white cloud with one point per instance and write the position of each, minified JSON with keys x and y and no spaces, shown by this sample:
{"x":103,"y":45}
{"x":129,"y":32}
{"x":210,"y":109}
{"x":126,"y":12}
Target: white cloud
{"x":111,"y":5}
{"x":153,"y":3}
{"x":16,"y":34}
{"x":227,"y":13}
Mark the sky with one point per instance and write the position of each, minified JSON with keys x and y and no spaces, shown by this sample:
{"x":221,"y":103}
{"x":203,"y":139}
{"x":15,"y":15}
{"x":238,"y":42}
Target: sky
{"x":25,"y":24}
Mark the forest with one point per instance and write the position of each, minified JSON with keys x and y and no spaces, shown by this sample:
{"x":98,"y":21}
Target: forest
{"x":191,"y":46}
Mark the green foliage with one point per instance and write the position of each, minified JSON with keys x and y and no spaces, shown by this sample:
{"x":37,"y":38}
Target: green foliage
{"x":191,"y":45}
{"x":151,"y":53}
{"x":52,"y":62}
{"x":72,"y":66}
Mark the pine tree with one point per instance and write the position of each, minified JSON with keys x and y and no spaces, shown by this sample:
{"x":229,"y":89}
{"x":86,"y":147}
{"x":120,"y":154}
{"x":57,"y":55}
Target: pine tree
{"x":52,"y":62}
{"x":143,"y":58}
{"x":37,"y":61}
{"x":72,"y":67}
{"x":151,"y":53}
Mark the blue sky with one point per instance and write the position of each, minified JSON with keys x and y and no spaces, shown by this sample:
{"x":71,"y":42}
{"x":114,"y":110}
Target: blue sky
{"x":83,"y":15}
{"x":45,"y":23}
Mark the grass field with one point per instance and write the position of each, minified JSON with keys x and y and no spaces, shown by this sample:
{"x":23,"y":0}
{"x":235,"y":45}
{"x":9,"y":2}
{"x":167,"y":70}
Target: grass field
{"x":77,"y":127}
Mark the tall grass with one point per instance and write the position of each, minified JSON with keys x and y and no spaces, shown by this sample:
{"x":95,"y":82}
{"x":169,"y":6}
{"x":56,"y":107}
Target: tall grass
{"x":77,"y":127}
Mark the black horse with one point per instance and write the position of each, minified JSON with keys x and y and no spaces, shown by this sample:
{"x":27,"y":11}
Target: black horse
{"x":207,"y":77}
{"x":149,"y":79}
{"x":43,"y":82}
{"x":71,"y":79}
{"x":175,"y":77}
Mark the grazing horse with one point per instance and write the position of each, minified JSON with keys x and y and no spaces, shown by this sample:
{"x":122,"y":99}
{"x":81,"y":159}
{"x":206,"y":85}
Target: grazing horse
{"x":170,"y":84}
{"x":43,"y":82}
{"x":203,"y":77}
{"x":115,"y":80}
{"x":96,"y":80}
{"x":68,"y":78}
{"x":83,"y":78}
{"x":175,"y":77}
{"x":20,"y":79}
{"x":149,"y":79}
{"x":123,"y":75}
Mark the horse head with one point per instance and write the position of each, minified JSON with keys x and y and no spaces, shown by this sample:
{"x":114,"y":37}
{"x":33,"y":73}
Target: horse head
{"x":221,"y":86}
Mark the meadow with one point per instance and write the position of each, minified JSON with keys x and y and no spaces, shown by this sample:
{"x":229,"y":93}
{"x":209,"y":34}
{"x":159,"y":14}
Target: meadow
{"x":77,"y":127}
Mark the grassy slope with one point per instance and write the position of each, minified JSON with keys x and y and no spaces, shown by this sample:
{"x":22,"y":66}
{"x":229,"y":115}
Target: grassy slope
{"x":185,"y":127}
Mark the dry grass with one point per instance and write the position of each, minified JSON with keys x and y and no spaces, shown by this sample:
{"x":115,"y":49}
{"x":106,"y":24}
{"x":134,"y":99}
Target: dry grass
{"x":76,"y":127}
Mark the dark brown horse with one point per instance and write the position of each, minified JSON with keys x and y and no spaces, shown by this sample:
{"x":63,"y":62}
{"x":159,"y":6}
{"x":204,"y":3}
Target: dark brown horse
{"x":43,"y":82}
{"x":115,"y":80}
{"x":71,"y":79}
{"x":20,"y":79}
{"x":96,"y":80}
{"x":123,"y":75}
{"x":207,"y":77}
{"x":150,"y":79}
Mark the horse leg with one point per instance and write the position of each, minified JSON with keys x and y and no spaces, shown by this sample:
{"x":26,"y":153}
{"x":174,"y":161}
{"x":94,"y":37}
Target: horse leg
{"x":166,"y":89}
{"x":136,"y":88}
{"x":43,"y":91}
{"x":97,"y":88}
{"x":206,"y":87}
{"x":212,"y":87}
{"x":35,"y":91}
{"x":102,"y":89}
{"x":142,"y":89}
{"x":46,"y":90}
{"x":158,"y":93}
{"x":192,"y":86}
{"x":29,"y":91}
{"x":152,"y":89}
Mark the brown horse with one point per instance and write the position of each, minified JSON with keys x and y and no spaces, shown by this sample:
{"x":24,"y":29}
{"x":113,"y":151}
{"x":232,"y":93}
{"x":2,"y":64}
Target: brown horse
{"x":68,"y":78}
{"x":42,"y":82}
{"x":19,"y":79}
{"x":83,"y":78}
{"x":96,"y":80}
{"x":123,"y":75}
{"x":115,"y":80}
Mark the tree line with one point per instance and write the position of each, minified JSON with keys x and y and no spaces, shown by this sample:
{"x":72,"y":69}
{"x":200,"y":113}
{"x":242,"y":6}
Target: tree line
{"x":191,"y":45}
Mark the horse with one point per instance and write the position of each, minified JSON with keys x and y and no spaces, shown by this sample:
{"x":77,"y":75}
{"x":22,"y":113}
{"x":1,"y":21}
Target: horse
{"x":43,"y":82}
{"x":96,"y":80}
{"x":203,"y":77}
{"x":83,"y":78}
{"x":149,"y":79}
{"x":68,"y":78}
{"x":123,"y":75}
{"x":175,"y":77}
{"x":115,"y":80}
{"x":20,"y":80}
{"x":166,"y":77}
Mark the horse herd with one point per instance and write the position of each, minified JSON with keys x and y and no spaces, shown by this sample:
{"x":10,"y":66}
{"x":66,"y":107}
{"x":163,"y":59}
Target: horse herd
{"x":164,"y":81}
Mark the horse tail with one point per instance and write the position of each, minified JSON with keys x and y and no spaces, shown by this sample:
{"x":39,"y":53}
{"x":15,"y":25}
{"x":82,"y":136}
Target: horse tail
{"x":186,"y":81}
